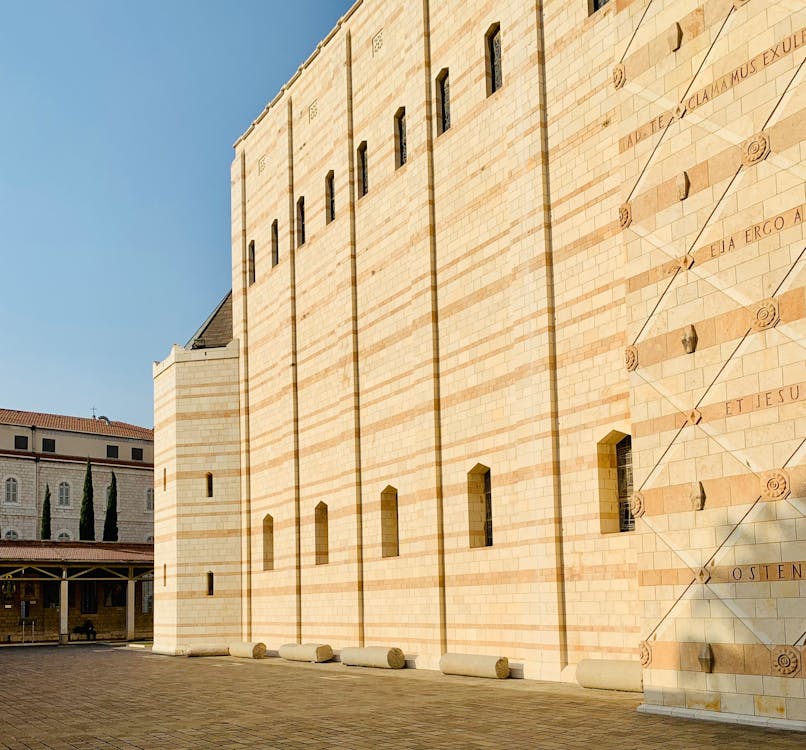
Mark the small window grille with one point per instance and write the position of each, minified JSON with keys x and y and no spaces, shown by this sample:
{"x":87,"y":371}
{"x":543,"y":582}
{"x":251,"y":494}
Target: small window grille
{"x":111,"y":451}
{"x":48,"y":445}
{"x":137,"y":454}
{"x":20,"y":442}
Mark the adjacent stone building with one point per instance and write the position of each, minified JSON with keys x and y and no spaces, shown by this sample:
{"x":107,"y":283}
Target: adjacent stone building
{"x":516,"y":358}
{"x":38,"y":451}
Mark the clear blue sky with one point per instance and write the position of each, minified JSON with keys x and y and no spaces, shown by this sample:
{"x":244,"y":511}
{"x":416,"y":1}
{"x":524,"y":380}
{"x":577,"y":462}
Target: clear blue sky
{"x":116,"y":127}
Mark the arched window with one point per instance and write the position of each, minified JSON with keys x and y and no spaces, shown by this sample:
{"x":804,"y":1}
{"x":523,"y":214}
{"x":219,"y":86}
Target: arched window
{"x":149,"y":499}
{"x":63,"y":536}
{"x":401,"y":154}
{"x":209,"y":484}
{"x":64,"y":494}
{"x":443,"y":102}
{"x":330,"y":197}
{"x":320,"y":521}
{"x":614,"y":463}
{"x":275,"y":244}
{"x":11,"y":535}
{"x":390,"y":540}
{"x":12,"y":494}
{"x":361,"y":167}
{"x":251,"y":263}
{"x":268,"y":542}
{"x":492,"y":44}
{"x":480,"y":506}
{"x":624,"y":479}
{"x":301,"y":221}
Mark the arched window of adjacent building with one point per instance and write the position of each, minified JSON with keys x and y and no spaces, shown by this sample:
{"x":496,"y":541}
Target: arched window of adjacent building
{"x":275,"y":244}
{"x":301,"y":221}
{"x":209,"y":484}
{"x":443,"y":101}
{"x":614,"y":465}
{"x":63,"y":536}
{"x":210,"y":583}
{"x":251,"y":262}
{"x":330,"y":197}
{"x":11,"y":491}
{"x":268,"y":542}
{"x":492,"y":45}
{"x":624,"y":479}
{"x":11,"y":535}
{"x":321,"y":533}
{"x":361,"y":169}
{"x":64,"y":494}
{"x":149,"y":499}
{"x":390,"y":540}
{"x":480,"y":506}
{"x":401,"y":154}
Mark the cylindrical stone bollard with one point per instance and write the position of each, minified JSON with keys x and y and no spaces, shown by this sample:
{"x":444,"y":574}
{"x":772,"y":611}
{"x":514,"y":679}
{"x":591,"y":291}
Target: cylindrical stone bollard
{"x":247,"y":650}
{"x":373,"y":656}
{"x":610,"y":674}
{"x":475,"y":665}
{"x":207,"y":649}
{"x":315,"y":652}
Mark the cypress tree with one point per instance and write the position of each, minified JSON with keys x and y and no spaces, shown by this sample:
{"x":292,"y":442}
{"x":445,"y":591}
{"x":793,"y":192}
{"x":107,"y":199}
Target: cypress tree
{"x":111,"y":520}
{"x":44,"y":527}
{"x":86,"y":521}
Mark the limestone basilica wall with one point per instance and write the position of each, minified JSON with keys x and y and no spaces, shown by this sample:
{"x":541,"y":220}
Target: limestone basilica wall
{"x":495,"y":321}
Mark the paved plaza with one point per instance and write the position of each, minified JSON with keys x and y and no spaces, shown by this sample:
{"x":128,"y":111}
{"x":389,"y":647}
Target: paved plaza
{"x":103,"y":697}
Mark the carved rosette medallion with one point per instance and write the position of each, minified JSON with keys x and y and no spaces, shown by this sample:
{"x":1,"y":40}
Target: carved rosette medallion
{"x":624,"y":215}
{"x":785,"y":661}
{"x":775,"y":485}
{"x":755,"y":149}
{"x":637,"y":505}
{"x":619,"y":76}
{"x":631,"y":358}
{"x":765,"y":314}
{"x":645,"y":654}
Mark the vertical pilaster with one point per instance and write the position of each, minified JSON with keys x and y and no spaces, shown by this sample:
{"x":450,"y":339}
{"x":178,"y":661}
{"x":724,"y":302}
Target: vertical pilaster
{"x":130,"y":603}
{"x":64,"y":603}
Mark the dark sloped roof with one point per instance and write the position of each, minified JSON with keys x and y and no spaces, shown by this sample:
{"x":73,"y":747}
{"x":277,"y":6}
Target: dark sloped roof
{"x":107,"y":552}
{"x":216,"y":331}
{"x":74,"y":424}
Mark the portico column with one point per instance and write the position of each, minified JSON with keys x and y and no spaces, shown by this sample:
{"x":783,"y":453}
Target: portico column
{"x":64,"y":633}
{"x":130,"y":607}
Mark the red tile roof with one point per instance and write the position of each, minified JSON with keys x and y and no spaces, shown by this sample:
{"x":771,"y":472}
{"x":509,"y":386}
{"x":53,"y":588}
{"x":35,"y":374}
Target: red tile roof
{"x":74,"y":424}
{"x":107,"y":552}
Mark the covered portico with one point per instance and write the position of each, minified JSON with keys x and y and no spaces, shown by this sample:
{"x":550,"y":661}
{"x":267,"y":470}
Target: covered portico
{"x":62,"y":591}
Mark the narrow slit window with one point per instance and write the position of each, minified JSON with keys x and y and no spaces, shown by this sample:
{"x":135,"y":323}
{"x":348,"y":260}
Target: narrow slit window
{"x":275,"y":244}
{"x":165,"y":574}
{"x":251,"y":263}
{"x":495,"y":78}
{"x":330,"y":197}
{"x":624,"y":479}
{"x":268,"y":543}
{"x":363,"y":176}
{"x":480,"y":506}
{"x":301,"y":221}
{"x":321,"y":534}
{"x":443,"y":101}
{"x":400,"y":138}
{"x":390,"y":539}
{"x":210,"y":583}
{"x":209,"y":484}
{"x":164,"y":479}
